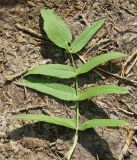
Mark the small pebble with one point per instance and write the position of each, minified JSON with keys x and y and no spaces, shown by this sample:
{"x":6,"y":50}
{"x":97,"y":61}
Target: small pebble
{"x":19,"y":38}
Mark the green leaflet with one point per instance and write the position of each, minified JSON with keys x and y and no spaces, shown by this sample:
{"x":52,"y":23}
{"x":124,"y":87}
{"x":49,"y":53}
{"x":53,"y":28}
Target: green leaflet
{"x":55,"y":70}
{"x":60,"y":91}
{"x":102,"y":123}
{"x":65,"y":71}
{"x":100,"y":90}
{"x":70,"y":123}
{"x":67,"y":93}
{"x":57,"y":31}
{"x":84,"y":37}
{"x":95,"y":61}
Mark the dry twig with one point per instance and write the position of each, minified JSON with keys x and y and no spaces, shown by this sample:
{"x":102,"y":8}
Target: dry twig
{"x":30,"y":31}
{"x":33,"y":107}
{"x":129,"y":59}
{"x":133,"y":96}
{"x":125,"y":111}
{"x":118,"y":77}
{"x":11,"y":78}
{"x":129,"y":108}
{"x":131,"y":66}
{"x":127,"y":144}
{"x":127,"y":62}
{"x":129,"y":11}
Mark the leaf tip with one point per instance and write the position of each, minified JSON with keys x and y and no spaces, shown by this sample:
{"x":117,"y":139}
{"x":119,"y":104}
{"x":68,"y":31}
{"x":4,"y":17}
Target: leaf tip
{"x":45,"y":11}
{"x":42,"y":11}
{"x":102,"y":20}
{"x":125,"y":91}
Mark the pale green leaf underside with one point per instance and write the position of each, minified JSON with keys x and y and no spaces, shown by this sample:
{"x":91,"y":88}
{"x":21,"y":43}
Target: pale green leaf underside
{"x":95,"y":61}
{"x":55,"y":70}
{"x":70,"y":123}
{"x":84,"y":37}
{"x":102,"y":123}
{"x":100,"y":90}
{"x":57,"y":31}
{"x":54,"y":89}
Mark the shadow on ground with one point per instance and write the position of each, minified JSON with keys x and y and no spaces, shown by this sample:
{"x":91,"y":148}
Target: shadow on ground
{"x":89,"y":139}
{"x":10,"y":3}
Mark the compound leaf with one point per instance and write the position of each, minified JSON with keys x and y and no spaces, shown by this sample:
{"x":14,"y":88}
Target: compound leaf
{"x":55,"y":70}
{"x":57,"y":31}
{"x":102,"y":123}
{"x":69,"y":123}
{"x":54,"y":89}
{"x":101,"y":90}
{"x":84,"y":37}
{"x":95,"y":61}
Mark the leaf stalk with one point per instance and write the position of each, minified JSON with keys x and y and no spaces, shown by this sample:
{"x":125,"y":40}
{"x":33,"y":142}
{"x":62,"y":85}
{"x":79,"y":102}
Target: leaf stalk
{"x":71,"y":151}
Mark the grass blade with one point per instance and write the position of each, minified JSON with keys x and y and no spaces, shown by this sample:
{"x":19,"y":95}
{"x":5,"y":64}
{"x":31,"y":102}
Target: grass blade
{"x":101,"y":90}
{"x":93,"y":62}
{"x":102,"y":123}
{"x":57,"y":31}
{"x":69,"y":123}
{"x":85,"y":36}
{"x":55,"y":70}
{"x":60,"y":91}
